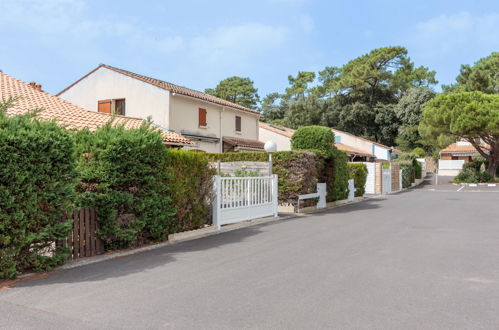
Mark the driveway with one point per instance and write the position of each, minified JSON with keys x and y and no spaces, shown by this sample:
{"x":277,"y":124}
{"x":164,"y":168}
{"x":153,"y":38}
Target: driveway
{"x":427,"y":258}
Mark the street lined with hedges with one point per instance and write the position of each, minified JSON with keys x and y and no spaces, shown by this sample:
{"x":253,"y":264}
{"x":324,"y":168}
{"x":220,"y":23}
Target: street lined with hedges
{"x":417,"y":259}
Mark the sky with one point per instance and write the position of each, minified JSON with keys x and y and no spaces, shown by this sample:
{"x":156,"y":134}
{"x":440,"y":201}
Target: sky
{"x":198,"y":43}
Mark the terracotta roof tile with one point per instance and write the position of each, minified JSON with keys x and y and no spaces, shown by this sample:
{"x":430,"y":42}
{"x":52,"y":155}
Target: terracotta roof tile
{"x":169,"y":87}
{"x":71,"y":116}
{"x":285,"y":131}
{"x":245,"y":143}
{"x":455,"y":148}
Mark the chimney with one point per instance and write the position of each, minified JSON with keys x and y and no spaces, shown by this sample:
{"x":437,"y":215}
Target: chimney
{"x":36,"y":86}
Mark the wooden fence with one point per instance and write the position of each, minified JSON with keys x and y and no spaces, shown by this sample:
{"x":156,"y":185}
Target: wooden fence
{"x":83,"y":240}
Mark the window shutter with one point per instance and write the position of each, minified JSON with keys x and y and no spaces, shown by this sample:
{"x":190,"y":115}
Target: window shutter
{"x":104,"y":106}
{"x":202,"y":117}
{"x":238,"y":124}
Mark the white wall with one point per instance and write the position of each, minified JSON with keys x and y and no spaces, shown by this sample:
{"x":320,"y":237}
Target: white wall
{"x":380,"y":152}
{"x":141,"y":100}
{"x":283,"y":142}
{"x":221,"y":121}
{"x":354,"y":141}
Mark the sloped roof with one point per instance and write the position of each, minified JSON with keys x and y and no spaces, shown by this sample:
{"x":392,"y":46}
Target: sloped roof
{"x":352,"y":150}
{"x":454,"y":148}
{"x":244,"y":143}
{"x":167,"y":86}
{"x":373,"y":142}
{"x":71,"y":116}
{"x":284,"y":131}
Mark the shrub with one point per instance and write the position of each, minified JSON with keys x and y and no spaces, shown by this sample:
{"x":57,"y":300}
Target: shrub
{"x":358,"y":172}
{"x":189,"y":180}
{"x":408,"y":173}
{"x":474,"y":172}
{"x":123,"y":176}
{"x":419,"y":152}
{"x":418,"y":170}
{"x":337,"y":185}
{"x":37,"y":180}
{"x":297,"y":171}
{"x":313,"y":137}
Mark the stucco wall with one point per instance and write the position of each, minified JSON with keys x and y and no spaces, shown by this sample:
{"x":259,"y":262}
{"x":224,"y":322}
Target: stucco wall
{"x":353,"y":141}
{"x":184,"y":117}
{"x":141,"y":100}
{"x":381,"y":153}
{"x":283,"y":142}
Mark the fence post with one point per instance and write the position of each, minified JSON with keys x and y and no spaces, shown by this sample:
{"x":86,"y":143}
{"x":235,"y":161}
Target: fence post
{"x":275,"y":192}
{"x":351,"y":190}
{"x":400,"y":179}
{"x":217,"y":201}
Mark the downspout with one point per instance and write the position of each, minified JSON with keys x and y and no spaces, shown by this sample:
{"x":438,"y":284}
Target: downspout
{"x":220,"y":130}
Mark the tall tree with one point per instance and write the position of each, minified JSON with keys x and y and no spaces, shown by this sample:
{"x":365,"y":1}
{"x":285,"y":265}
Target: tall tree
{"x":483,"y":76}
{"x":273,"y":108}
{"x":299,"y":85}
{"x":472,"y":116}
{"x":237,"y":90}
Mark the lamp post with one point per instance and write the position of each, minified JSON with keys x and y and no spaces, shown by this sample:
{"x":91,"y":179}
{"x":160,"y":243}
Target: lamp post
{"x":270,"y":147}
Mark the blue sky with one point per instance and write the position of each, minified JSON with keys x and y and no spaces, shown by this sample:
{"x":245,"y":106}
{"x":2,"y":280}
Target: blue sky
{"x":198,"y":43}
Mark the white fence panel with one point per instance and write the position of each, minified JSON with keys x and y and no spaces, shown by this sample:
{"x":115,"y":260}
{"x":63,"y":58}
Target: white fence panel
{"x":386,"y":181}
{"x":351,"y":190}
{"x":244,"y":198}
{"x":450,"y":164}
{"x":371,"y":178}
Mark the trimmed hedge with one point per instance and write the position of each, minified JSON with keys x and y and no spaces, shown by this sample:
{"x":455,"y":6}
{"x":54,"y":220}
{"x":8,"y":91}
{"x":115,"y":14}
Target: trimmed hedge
{"x":408,"y":174}
{"x":418,"y":170}
{"x":338,"y":183}
{"x":37,"y":180}
{"x":190,"y":185}
{"x":313,"y":137}
{"x":123,"y":176}
{"x":358,"y":172}
{"x":297,"y":171}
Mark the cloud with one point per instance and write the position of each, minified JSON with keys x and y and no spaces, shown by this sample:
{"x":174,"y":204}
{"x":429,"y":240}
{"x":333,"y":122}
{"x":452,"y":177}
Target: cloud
{"x":237,"y":42}
{"x":445,"y":34}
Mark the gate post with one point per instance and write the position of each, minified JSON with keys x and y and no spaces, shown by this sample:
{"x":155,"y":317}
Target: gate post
{"x":351,"y":190}
{"x":275,"y":193}
{"x":216,"y":201}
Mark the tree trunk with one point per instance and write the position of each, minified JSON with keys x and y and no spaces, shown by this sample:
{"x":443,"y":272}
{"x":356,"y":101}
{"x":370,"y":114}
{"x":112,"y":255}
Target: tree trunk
{"x":492,"y":168}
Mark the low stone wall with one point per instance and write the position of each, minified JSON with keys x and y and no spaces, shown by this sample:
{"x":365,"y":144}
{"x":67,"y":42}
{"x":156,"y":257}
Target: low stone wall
{"x":231,"y":168}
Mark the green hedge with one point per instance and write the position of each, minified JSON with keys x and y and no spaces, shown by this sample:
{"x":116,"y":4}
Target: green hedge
{"x":297,"y":171}
{"x":358,"y":172}
{"x":123,"y":176}
{"x":338,"y":183}
{"x":312,"y":137}
{"x":408,"y":174}
{"x":189,"y":180}
{"x":37,"y":180}
{"x":418,"y":170}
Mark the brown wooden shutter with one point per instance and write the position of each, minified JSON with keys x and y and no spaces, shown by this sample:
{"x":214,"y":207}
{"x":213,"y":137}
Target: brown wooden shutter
{"x":104,"y":106}
{"x":202,"y":117}
{"x":238,"y":124}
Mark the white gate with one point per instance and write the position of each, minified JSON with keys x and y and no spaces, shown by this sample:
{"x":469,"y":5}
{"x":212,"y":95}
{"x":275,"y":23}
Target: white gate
{"x":371,"y":178}
{"x":244,"y":198}
{"x":386,"y":181}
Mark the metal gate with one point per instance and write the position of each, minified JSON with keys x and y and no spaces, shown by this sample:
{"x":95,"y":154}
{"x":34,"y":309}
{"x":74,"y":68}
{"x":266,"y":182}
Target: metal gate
{"x":386,"y":181}
{"x":244,"y":198}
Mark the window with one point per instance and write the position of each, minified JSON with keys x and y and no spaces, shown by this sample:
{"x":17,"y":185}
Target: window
{"x":337,"y":139}
{"x":202,"y":117}
{"x":119,"y":107}
{"x":116,"y":107}
{"x":238,"y":124}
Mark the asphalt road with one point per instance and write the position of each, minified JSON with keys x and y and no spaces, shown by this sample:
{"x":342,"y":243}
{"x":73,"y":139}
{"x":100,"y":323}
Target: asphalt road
{"x":423,"y":259}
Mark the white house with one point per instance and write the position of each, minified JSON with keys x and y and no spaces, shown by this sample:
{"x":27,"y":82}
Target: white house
{"x":380,"y":151}
{"x":214,"y":124}
{"x":282,"y":137}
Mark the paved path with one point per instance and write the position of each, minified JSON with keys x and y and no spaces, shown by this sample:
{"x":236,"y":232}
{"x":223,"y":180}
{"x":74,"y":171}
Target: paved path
{"x":423,"y":259}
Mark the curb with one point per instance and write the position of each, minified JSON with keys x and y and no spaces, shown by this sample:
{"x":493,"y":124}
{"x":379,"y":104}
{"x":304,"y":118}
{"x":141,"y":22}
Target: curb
{"x":190,"y":236}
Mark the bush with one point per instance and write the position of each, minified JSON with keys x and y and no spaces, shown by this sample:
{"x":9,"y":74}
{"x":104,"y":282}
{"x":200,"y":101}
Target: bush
{"x":297,"y":171}
{"x":313,"y":137}
{"x":408,"y":173}
{"x":37,"y":179}
{"x":418,"y":170}
{"x":358,"y":172}
{"x":190,"y":185}
{"x":419,"y":152}
{"x":337,"y":185}
{"x":474,"y":172}
{"x":123,"y":176}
